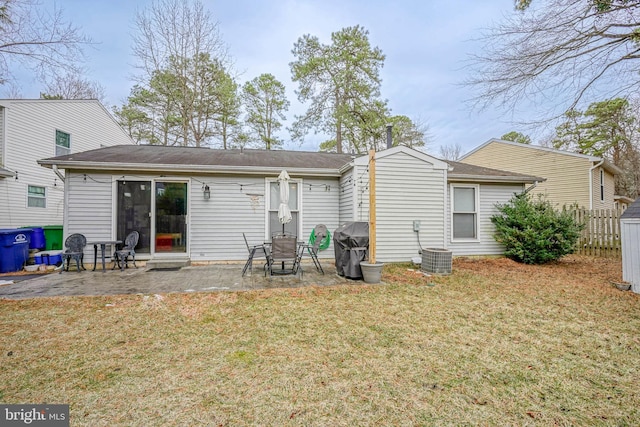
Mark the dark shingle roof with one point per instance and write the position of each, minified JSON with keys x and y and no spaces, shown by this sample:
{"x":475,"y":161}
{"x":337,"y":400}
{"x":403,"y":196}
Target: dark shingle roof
{"x":633,"y":211}
{"x":464,"y":170}
{"x":166,"y":155}
{"x":206,"y":160}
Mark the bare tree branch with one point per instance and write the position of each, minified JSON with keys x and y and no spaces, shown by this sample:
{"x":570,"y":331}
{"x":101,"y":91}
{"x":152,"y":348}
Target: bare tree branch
{"x":563,"y":52}
{"x":35,"y":38}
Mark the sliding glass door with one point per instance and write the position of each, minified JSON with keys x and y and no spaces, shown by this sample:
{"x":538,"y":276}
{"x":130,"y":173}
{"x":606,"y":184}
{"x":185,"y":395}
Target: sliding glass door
{"x":134,"y":212}
{"x":161,"y":220}
{"x":171,"y":217}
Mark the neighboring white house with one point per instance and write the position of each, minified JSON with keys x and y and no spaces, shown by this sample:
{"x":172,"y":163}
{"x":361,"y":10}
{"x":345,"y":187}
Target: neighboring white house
{"x":31,"y":129}
{"x":195,"y":203}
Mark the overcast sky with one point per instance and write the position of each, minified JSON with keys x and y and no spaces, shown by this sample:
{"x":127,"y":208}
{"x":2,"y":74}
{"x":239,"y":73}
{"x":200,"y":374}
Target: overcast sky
{"x":426,"y":44}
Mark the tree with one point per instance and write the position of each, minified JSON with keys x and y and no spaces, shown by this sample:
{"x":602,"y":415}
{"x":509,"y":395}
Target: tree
{"x":227,"y":122}
{"x":451,"y":152}
{"x":532,"y":232}
{"x":182,"y":58}
{"x":37,"y":39}
{"x":135,"y":122}
{"x":342,"y":83}
{"x":608,"y":129}
{"x":516,"y":137}
{"x":265,"y":102}
{"x":152,"y":113}
{"x":73,"y":86}
{"x":406,"y":132}
{"x":566,"y":50}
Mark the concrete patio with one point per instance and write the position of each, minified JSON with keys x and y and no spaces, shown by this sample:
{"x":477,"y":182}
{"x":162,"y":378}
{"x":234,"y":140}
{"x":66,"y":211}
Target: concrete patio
{"x":207,"y":278}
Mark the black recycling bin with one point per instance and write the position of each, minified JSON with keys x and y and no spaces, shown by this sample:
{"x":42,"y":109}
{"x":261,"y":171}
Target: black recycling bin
{"x":351,"y":245}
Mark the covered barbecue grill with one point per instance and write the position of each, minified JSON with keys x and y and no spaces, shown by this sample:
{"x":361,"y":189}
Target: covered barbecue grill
{"x":351,"y":243}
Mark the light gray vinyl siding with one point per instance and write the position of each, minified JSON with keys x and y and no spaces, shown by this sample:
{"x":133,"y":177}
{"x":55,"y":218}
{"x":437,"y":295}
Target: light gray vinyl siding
{"x":407,"y":189}
{"x":490,"y":194}
{"x":361,"y":193}
{"x":630,"y":238}
{"x":346,"y":197}
{"x":2,"y":136}
{"x":89,"y":210}
{"x":320,"y":205}
{"x":217,"y":224}
{"x":30,"y":128}
{"x":236,"y":206}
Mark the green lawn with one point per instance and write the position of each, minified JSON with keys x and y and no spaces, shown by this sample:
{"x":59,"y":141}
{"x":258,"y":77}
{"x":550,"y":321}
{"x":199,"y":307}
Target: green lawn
{"x":495,"y":343}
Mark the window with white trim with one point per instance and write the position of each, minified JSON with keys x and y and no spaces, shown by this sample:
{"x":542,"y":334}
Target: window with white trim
{"x":601,"y":185}
{"x":36,"y":197}
{"x":464,"y":212}
{"x":63,"y":143}
{"x":274,"y":203}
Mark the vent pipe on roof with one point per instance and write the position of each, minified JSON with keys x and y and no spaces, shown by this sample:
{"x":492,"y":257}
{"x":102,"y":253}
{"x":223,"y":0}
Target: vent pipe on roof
{"x":389,"y":137}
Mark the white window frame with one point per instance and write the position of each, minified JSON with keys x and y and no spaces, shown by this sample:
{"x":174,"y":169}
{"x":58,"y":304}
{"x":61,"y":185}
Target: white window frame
{"x":601,"y":185}
{"x":267,"y":204}
{"x":42,"y":197}
{"x":476,"y":212}
{"x":59,"y":149}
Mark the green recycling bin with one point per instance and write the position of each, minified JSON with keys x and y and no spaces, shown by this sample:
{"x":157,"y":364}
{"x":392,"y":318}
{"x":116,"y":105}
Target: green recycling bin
{"x":53,"y":237}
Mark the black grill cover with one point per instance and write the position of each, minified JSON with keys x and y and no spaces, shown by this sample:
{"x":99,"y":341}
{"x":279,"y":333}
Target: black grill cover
{"x":351,"y":244}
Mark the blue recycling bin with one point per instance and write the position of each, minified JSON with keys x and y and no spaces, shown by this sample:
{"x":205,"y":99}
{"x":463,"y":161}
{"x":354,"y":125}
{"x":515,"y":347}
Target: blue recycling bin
{"x":14,"y":248}
{"x":37,"y":237}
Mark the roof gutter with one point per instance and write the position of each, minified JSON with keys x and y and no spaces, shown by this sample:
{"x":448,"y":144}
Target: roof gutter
{"x":484,"y":178}
{"x":206,"y":169}
{"x":591,"y":169}
{"x":6,"y":173}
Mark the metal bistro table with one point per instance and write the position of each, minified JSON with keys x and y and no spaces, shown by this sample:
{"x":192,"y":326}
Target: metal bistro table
{"x":103,"y":247}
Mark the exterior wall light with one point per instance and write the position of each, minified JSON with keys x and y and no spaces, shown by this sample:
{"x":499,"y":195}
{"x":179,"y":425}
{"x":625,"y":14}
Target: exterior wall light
{"x":206,"y":192}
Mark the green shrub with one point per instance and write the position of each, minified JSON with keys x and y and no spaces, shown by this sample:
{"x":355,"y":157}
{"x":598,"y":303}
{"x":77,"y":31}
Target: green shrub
{"x":533,"y":232}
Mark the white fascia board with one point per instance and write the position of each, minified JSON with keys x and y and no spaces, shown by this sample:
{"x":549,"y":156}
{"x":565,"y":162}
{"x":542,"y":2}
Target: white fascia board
{"x":206,"y":169}
{"x":496,"y":179}
{"x":6,"y":173}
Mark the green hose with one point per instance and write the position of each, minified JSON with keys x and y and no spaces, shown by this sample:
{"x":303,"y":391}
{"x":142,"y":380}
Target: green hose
{"x":324,"y":243}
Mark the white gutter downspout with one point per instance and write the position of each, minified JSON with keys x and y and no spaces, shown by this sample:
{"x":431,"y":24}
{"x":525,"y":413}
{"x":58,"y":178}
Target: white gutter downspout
{"x":591,"y":183}
{"x":65,"y":199}
{"x":57,"y":172}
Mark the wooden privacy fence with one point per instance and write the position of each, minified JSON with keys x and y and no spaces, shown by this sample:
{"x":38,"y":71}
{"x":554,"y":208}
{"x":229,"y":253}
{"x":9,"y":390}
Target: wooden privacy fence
{"x":601,"y":233}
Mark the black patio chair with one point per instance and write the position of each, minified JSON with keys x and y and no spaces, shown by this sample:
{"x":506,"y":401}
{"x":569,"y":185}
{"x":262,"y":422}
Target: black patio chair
{"x":121,"y":256}
{"x":74,"y":249}
{"x":255,"y":251}
{"x":283,"y":256}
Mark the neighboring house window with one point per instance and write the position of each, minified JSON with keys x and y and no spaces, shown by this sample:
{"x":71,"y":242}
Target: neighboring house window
{"x":464,"y":212}
{"x":36,"y":197}
{"x":601,"y":185}
{"x":63,"y":143}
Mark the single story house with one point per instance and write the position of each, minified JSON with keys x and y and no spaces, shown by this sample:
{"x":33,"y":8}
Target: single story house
{"x":195,"y":203}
